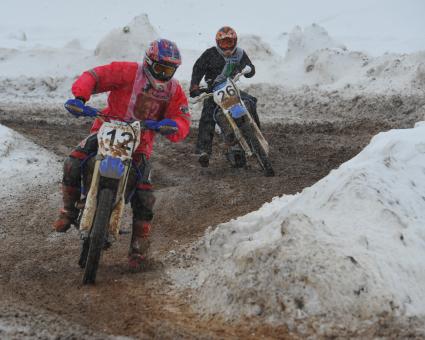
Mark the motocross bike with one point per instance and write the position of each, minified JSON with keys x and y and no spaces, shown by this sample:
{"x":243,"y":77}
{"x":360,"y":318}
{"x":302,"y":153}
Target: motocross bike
{"x":242,"y":135}
{"x":102,"y":207}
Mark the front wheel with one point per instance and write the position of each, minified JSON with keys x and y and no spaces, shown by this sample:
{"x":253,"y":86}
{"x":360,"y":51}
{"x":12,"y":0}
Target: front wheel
{"x":98,"y":234}
{"x":257,"y":148}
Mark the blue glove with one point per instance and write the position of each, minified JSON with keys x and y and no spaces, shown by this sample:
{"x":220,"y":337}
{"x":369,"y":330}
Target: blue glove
{"x":167,"y":127}
{"x":164,"y":127}
{"x":75,"y":107}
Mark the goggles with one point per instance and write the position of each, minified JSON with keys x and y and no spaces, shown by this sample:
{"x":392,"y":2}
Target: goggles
{"x":226,"y":43}
{"x":163,"y":71}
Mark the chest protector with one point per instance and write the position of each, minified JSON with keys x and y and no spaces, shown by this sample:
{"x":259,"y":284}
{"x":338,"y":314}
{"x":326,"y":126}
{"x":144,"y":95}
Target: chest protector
{"x":147,"y":102}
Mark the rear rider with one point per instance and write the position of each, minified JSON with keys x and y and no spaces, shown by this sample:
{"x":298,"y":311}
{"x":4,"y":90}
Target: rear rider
{"x":215,"y":64}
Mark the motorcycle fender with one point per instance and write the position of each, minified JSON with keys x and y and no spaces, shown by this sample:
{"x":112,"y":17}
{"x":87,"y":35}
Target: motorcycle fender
{"x":111,"y":167}
{"x":237,"y":111}
{"x":91,"y":201}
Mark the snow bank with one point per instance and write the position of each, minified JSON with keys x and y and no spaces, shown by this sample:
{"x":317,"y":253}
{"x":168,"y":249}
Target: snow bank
{"x":256,"y":48}
{"x":46,"y":74}
{"x":129,"y":42}
{"x":24,"y":165}
{"x":344,"y":252}
{"x":314,"y":62}
{"x":303,"y":42}
{"x":313,"y":58}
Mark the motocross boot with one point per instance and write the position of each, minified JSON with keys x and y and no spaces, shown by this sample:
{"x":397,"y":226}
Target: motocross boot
{"x":204,"y":159}
{"x":139,"y":246}
{"x":269,"y":172}
{"x":69,"y":213}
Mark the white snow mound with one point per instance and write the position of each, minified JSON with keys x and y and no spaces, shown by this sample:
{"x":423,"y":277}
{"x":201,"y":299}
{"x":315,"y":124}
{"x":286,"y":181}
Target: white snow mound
{"x":350,"y":248}
{"x":255,"y":47}
{"x":301,"y":42}
{"x":128,"y":42}
{"x":23,"y":164}
{"x":331,"y":65}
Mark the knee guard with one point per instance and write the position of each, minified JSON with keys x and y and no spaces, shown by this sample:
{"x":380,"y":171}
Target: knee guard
{"x":72,"y":172}
{"x":142,"y":204}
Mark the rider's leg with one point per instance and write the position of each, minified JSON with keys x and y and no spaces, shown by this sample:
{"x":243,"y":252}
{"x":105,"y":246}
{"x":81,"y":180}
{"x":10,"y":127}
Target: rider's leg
{"x":71,"y":183}
{"x":206,"y":132}
{"x":142,"y":204}
{"x":70,"y":194}
{"x":251,"y":104}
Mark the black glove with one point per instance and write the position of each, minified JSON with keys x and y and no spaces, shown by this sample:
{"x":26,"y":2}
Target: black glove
{"x":194,"y":91}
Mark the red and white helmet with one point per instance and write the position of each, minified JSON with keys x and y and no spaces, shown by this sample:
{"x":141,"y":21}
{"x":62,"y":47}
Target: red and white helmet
{"x":226,"y":40}
{"x":161,"y":61}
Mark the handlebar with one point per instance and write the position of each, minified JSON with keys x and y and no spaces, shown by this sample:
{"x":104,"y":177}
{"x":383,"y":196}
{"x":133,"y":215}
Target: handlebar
{"x":206,"y":93}
{"x":148,"y":124}
{"x":201,"y":97}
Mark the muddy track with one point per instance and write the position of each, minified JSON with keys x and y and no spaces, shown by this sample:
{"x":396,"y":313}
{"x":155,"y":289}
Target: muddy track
{"x":40,"y":272}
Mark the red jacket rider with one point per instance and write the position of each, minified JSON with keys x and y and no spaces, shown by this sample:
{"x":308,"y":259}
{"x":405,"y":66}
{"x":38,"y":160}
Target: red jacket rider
{"x":132,"y":96}
{"x":144,"y":91}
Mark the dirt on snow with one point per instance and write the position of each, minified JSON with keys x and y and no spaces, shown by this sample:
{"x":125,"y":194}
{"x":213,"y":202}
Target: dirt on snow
{"x":41,"y":295}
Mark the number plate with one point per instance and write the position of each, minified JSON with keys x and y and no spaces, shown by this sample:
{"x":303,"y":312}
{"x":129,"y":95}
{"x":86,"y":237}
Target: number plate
{"x":226,"y":96}
{"x":118,"y":139}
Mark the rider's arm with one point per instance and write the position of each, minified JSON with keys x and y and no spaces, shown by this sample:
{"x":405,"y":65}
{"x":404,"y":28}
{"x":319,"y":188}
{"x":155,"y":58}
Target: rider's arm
{"x":246,"y":61}
{"x":199,"y":69}
{"x":178,"y":110}
{"x":104,"y":78}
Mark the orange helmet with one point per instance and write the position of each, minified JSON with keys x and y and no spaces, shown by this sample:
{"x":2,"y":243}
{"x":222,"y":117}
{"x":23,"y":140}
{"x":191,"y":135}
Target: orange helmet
{"x":226,"y":40}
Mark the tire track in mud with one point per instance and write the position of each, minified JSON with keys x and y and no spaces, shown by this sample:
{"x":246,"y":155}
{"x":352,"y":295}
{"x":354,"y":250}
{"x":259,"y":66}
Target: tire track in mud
{"x":40,"y":268}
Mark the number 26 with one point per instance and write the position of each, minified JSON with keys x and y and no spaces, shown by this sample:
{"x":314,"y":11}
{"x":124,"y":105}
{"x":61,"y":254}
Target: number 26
{"x":229,"y":90}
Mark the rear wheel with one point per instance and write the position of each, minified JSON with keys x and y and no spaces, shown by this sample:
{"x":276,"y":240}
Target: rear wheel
{"x":257,"y":149}
{"x":98,"y":234}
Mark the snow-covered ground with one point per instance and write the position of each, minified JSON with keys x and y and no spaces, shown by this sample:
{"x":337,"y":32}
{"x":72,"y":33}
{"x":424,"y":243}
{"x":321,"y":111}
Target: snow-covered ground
{"x":341,"y":253}
{"x":24,"y":165}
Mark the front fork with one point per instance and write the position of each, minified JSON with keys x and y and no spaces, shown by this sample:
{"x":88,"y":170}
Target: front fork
{"x":239,"y":137}
{"x":258,"y":133}
{"x":91,"y":202}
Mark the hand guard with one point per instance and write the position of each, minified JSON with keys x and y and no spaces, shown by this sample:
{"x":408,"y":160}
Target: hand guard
{"x":90,"y":111}
{"x":246,"y":71}
{"x":75,"y":107}
{"x":164,"y":127}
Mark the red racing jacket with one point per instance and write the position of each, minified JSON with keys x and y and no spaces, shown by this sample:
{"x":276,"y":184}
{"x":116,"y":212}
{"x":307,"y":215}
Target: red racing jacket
{"x":132,"y":97}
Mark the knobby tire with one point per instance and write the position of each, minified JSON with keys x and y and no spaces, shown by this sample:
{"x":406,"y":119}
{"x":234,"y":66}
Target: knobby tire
{"x":262,"y":157}
{"x":98,"y":234}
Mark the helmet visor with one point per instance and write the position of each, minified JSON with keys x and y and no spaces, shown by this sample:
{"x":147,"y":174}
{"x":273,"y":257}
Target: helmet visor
{"x":162,"y":71}
{"x":227,"y":43}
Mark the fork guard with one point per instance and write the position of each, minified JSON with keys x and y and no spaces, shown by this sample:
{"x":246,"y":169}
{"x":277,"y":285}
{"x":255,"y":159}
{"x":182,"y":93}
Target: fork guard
{"x":259,"y":135}
{"x":240,"y":138}
{"x":91,"y":203}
